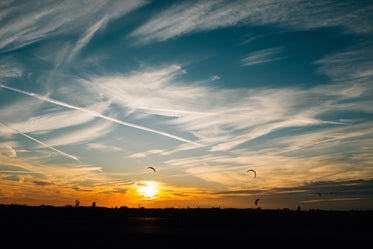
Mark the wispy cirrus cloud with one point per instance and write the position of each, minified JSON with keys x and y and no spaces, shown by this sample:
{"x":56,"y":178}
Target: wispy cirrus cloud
{"x":41,"y":143}
{"x":221,"y":118}
{"x":189,"y":17}
{"x":9,"y":68}
{"x":354,"y":63}
{"x":102,"y":147}
{"x":84,"y":134}
{"x":57,"y":119}
{"x":274,"y":168}
{"x":261,"y":56}
{"x":86,"y":37}
{"x":340,"y":135}
{"x":24,"y":23}
{"x":99,"y":115}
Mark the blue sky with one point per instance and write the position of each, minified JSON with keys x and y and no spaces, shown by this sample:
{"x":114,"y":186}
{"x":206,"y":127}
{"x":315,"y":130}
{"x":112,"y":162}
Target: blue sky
{"x":94,"y":92}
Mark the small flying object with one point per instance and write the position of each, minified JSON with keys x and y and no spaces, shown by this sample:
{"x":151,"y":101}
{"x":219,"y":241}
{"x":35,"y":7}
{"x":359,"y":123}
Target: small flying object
{"x":151,"y":168}
{"x":256,"y":202}
{"x":320,"y":194}
{"x":252,"y":171}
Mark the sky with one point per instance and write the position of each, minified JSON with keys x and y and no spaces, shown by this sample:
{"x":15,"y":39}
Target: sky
{"x":92,"y":93}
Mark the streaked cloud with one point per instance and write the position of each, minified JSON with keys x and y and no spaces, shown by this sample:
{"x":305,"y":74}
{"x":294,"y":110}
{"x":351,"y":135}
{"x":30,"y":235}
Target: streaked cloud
{"x":190,"y":16}
{"x":248,"y":114}
{"x":102,"y":147}
{"x":28,"y":22}
{"x":40,"y":142}
{"x":87,"y":133}
{"x":273,"y":169}
{"x":59,"y":184}
{"x":261,"y":56}
{"x":9,"y":68}
{"x":86,"y":37}
{"x":353,"y":63}
{"x":96,"y":114}
{"x":58,"y":120}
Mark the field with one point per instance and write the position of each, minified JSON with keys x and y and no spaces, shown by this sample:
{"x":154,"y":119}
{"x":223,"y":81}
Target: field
{"x":88,"y":227}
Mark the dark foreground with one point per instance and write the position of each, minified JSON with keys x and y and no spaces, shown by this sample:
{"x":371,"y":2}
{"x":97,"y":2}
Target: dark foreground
{"x":86,"y":227}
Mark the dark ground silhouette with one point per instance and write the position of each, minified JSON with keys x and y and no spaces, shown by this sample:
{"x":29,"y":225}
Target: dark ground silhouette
{"x":97,"y":227}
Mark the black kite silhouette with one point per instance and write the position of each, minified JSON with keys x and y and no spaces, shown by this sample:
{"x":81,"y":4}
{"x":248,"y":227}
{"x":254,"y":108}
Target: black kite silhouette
{"x":251,"y":171}
{"x":151,"y":168}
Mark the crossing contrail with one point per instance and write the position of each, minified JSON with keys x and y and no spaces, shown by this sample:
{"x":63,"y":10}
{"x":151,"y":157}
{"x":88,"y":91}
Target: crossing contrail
{"x":40,"y":142}
{"x":96,"y":114}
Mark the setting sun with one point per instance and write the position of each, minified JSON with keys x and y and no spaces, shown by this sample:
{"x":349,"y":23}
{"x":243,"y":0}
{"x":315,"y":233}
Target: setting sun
{"x":148,"y":189}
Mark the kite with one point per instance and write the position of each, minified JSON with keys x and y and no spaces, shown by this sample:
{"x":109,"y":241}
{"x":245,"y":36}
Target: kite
{"x":151,"y":168}
{"x":252,"y":171}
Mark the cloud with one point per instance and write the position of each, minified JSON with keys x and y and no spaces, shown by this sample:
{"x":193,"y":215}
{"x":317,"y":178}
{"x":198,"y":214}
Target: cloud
{"x":102,"y":147}
{"x":261,"y":56}
{"x":42,"y":183}
{"x":351,"y":64}
{"x":86,"y":37}
{"x":223,"y":118}
{"x":58,"y":119}
{"x":84,"y":134}
{"x":219,"y":174}
{"x":14,"y":110}
{"x":41,"y":143}
{"x":6,"y":149}
{"x":147,"y":153}
{"x":275,"y":169}
{"x":138,"y":155}
{"x":189,"y":17}
{"x":326,"y":136}
{"x":266,"y":129}
{"x":58,"y":184}
{"x":25,"y":23}
{"x":307,"y":195}
{"x":9,"y":68}
{"x":96,"y":114}
{"x":333,"y":190}
{"x":328,"y":154}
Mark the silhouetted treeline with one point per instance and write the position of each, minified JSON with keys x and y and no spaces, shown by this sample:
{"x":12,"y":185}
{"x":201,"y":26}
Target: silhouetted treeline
{"x":77,"y":227}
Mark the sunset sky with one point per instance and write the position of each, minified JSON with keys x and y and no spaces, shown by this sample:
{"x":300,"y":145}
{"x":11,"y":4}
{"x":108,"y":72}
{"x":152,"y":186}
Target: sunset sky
{"x":94,"y":92}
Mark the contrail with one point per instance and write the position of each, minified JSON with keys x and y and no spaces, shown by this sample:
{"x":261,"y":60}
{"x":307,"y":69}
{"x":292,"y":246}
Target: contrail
{"x":40,"y":142}
{"x":96,"y":114}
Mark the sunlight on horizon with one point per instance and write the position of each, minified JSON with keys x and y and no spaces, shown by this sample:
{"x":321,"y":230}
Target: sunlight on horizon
{"x":148,"y":189}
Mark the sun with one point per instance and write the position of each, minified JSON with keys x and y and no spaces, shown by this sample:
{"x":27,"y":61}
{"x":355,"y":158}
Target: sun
{"x":148,"y":190}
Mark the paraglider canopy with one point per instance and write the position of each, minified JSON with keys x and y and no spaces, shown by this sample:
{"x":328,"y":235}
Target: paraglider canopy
{"x":151,"y":168}
{"x":256,"y":202}
{"x":251,"y":170}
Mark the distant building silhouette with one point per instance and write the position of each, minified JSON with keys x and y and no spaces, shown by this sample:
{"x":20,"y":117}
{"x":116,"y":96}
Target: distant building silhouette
{"x":93,"y":204}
